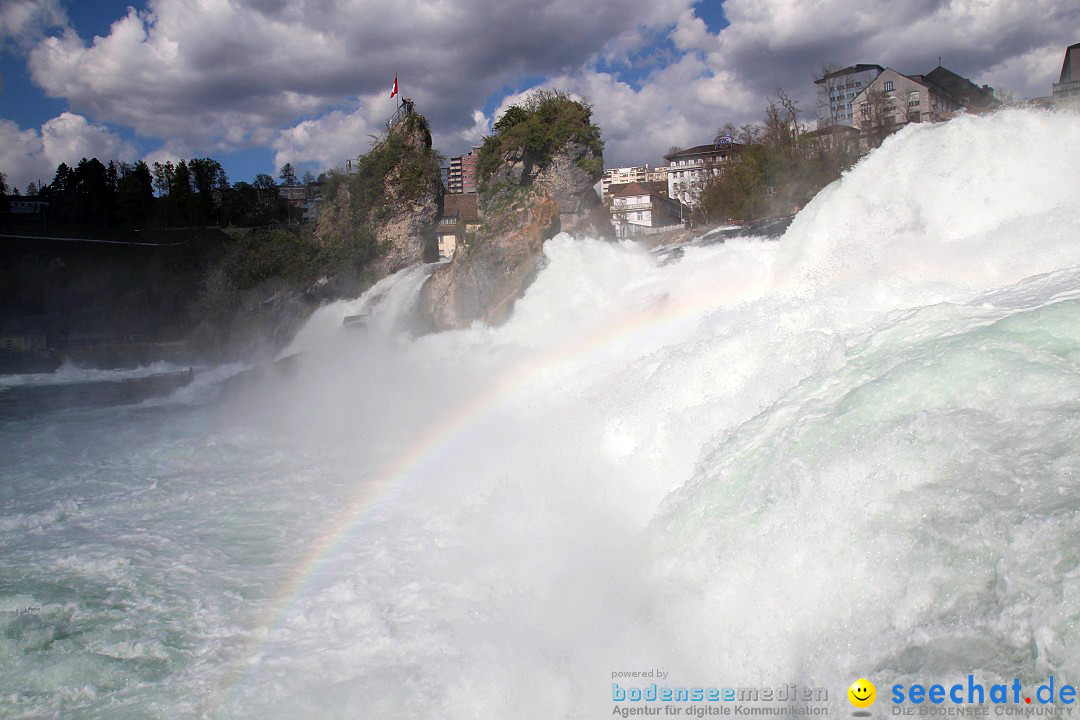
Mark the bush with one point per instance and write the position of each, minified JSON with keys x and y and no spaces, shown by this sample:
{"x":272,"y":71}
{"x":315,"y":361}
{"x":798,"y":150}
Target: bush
{"x":546,"y":121}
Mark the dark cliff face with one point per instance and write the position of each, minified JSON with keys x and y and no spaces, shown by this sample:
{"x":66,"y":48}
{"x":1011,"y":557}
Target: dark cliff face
{"x":526,"y":204}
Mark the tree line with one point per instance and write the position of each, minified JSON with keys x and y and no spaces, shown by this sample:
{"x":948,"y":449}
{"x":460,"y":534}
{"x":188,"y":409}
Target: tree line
{"x":777,"y":168}
{"x":192,"y":192}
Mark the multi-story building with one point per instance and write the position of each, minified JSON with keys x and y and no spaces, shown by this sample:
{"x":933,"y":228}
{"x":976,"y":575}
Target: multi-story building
{"x":461,"y":176}
{"x":893,"y":100}
{"x":626,"y":175}
{"x":970,"y":96}
{"x":688,"y":170}
{"x":460,"y":216}
{"x":637,"y":207}
{"x":1067,"y":88}
{"x":837,"y":90}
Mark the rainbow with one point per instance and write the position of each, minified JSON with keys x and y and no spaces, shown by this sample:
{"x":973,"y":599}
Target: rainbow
{"x":441,"y":435}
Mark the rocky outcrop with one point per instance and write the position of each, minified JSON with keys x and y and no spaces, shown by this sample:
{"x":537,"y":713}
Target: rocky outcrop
{"x":407,"y":228}
{"x":395,"y":197}
{"x":523,"y":205}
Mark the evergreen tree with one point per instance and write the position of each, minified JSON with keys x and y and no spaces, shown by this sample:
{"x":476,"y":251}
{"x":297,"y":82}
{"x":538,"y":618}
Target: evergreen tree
{"x":135,"y":195}
{"x":206,"y":178}
{"x":287,"y":175}
{"x":181,"y":199}
{"x":63,"y":181}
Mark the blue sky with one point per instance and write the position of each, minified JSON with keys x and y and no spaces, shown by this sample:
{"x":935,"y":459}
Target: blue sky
{"x":255,"y":83}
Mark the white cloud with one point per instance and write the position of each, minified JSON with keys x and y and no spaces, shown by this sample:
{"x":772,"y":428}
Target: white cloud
{"x":1028,"y":75}
{"x":224,"y":74}
{"x":328,"y":141}
{"x":32,"y":155}
{"x":23,"y":22}
{"x":310,"y":78}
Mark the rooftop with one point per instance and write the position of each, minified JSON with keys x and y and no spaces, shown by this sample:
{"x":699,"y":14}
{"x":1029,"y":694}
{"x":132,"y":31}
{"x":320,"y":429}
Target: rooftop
{"x":709,"y":149}
{"x":861,"y":67}
{"x":645,"y":188}
{"x":462,"y":206}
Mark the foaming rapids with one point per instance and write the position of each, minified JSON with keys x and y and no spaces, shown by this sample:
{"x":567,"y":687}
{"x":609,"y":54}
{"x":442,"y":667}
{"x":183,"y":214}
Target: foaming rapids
{"x":848,"y":453}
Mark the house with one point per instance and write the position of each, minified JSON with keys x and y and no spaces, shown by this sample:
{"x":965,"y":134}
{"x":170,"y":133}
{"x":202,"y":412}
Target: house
{"x":689,"y":169}
{"x":638,"y":207}
{"x":634,"y":174}
{"x":837,"y":91}
{"x":461,"y":215}
{"x":893,"y":100}
{"x":972,"y":98}
{"x":833,"y":137}
{"x":1067,"y":88}
{"x":26,"y":205}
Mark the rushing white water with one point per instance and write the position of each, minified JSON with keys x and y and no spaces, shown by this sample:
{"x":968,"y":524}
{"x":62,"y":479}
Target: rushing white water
{"x":852,"y":452}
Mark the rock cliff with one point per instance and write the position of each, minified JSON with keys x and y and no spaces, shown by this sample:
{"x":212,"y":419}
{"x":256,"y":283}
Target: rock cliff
{"x":384,"y":214}
{"x":537,"y":175}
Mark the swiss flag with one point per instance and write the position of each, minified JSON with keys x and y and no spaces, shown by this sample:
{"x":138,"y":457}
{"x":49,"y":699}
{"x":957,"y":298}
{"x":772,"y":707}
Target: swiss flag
{"x":394,"y":91}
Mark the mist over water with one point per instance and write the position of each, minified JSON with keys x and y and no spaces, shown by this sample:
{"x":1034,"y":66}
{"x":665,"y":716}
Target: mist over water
{"x":852,"y":452}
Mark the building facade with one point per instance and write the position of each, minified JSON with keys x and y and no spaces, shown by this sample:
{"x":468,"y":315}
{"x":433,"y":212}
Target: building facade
{"x":26,"y":205}
{"x":1067,"y":88}
{"x":461,"y":175}
{"x":626,"y":175}
{"x":968,"y":95}
{"x":893,"y":100}
{"x":636,"y":207}
{"x":837,"y":92}
{"x":688,"y":170}
{"x":461,"y":215}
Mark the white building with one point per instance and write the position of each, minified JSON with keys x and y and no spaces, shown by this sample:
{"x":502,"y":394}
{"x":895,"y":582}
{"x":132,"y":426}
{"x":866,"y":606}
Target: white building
{"x":688,"y":170}
{"x":837,"y":90}
{"x":626,"y":175}
{"x":637,"y":208}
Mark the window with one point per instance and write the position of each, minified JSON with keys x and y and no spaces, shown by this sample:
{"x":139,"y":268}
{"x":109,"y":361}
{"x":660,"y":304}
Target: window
{"x":640,"y":215}
{"x":888,"y":86}
{"x":913,"y":98}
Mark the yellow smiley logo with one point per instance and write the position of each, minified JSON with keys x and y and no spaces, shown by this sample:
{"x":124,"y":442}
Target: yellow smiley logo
{"x":862,"y":693}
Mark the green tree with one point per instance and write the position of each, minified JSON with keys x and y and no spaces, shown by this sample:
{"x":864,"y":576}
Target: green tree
{"x":181,"y":199}
{"x":92,"y":187}
{"x":163,"y":177}
{"x":206,"y":177}
{"x":135,"y":195}
{"x":546,"y":121}
{"x":775,"y":170}
{"x":63,"y":181}
{"x":267,"y":191}
{"x":287,"y":175}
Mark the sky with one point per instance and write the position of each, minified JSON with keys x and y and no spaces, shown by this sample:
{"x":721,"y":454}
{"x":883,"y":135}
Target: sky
{"x":258,"y":83}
